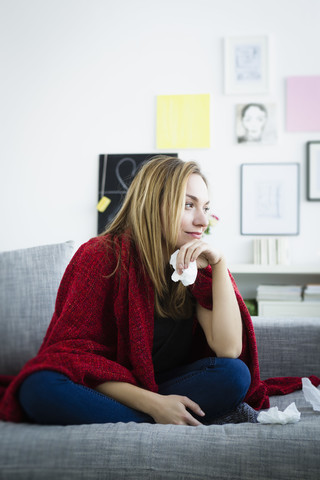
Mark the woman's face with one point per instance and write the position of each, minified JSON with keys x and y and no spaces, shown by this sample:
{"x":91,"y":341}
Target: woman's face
{"x":254,"y":121}
{"x":194,"y":219}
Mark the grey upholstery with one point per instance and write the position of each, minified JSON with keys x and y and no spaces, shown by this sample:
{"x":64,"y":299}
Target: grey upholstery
{"x":288,"y":347}
{"x":29,"y":280}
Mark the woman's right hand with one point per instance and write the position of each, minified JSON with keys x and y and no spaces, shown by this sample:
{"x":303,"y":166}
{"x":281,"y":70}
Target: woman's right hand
{"x":172,"y":409}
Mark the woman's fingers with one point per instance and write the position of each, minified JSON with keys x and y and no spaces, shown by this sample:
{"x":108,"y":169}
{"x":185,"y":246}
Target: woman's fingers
{"x":184,"y":255}
{"x":187,"y":402}
{"x":199,"y":251}
{"x":194,"y":407}
{"x":175,"y":409}
{"x":193,"y":422}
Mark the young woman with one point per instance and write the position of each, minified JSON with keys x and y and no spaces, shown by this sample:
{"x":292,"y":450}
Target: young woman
{"x":126,"y":343}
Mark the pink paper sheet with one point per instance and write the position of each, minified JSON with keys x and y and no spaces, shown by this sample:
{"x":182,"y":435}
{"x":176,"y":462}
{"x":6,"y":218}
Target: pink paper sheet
{"x":303,"y":104}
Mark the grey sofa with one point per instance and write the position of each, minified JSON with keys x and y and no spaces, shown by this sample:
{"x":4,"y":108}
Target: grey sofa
{"x":29,"y":281}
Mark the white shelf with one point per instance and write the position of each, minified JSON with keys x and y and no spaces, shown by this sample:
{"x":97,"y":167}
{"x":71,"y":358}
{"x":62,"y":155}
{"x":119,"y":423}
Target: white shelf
{"x":249,"y":276}
{"x":282,"y":269}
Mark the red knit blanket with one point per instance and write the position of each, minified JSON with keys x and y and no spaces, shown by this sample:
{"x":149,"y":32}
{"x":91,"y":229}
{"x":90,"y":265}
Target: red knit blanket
{"x":102,"y":328}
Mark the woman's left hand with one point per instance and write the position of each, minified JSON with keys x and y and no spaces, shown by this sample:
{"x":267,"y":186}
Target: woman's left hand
{"x":198,"y":251}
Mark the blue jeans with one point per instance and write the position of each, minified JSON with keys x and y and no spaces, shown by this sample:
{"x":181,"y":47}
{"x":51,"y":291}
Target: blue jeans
{"x":218,"y":385}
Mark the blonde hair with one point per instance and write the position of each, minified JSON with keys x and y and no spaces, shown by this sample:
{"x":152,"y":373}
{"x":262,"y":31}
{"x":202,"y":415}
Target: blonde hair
{"x":153,"y":204}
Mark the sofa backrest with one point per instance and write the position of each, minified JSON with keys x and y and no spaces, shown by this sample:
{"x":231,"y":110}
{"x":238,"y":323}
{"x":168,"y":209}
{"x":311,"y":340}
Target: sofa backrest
{"x":29,"y":280}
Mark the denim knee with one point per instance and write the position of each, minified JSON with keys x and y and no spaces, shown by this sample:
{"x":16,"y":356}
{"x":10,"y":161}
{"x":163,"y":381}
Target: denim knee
{"x":237,"y":375}
{"x":32,"y":390}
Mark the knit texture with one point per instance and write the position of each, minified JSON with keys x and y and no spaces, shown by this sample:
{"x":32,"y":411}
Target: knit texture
{"x":102,"y":328}
{"x":242,"y":414}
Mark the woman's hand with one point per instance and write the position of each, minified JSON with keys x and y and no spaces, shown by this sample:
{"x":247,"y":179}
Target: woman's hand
{"x":165,"y":409}
{"x":198,"y":251}
{"x":172,"y":409}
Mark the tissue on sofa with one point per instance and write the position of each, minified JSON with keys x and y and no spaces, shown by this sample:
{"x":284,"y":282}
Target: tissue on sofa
{"x":311,"y":394}
{"x":290,"y":415}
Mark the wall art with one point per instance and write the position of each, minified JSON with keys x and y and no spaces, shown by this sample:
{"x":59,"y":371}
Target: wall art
{"x":116,"y":172}
{"x":246,"y":65}
{"x":313,"y":171}
{"x":183,"y":121}
{"x":270,"y":198}
{"x":256,"y":124}
{"x":303,"y":104}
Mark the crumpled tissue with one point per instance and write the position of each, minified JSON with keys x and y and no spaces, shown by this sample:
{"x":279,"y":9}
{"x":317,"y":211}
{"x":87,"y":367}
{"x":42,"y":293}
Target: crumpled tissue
{"x":311,"y":394}
{"x":188,"y":275}
{"x":290,"y":415}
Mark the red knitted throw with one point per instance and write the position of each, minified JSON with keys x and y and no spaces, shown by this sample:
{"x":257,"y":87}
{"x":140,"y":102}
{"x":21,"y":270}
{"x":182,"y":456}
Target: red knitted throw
{"x":102,"y":328}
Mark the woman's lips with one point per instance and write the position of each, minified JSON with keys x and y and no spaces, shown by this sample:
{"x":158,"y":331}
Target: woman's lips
{"x":197,"y":235}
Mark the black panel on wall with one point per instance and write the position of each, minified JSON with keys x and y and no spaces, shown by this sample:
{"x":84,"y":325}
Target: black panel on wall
{"x":116,"y":172}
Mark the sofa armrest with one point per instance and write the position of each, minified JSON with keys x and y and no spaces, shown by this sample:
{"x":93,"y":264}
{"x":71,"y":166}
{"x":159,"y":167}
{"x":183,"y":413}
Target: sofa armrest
{"x":288,"y":346}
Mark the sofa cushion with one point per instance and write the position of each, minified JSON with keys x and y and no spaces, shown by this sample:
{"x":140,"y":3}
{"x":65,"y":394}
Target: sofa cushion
{"x":246,"y":451}
{"x":288,"y":347}
{"x":29,"y":280}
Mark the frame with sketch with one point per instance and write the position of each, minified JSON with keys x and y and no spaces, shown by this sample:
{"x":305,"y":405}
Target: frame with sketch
{"x":313,"y":171}
{"x":246,"y":65}
{"x":256,"y":123}
{"x":270,"y":198}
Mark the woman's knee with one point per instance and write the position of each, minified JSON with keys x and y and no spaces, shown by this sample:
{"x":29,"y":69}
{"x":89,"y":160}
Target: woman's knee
{"x":237,"y":376}
{"x":222,"y":386}
{"x":41,"y":381}
{"x":37,"y":388}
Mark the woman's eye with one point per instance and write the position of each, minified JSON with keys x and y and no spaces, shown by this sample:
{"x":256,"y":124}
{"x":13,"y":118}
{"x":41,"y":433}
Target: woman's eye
{"x":189,"y":205}
{"x":206,"y":209}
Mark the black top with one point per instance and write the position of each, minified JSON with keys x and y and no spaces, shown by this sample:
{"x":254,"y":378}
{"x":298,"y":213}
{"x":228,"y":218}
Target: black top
{"x":171,"y":343}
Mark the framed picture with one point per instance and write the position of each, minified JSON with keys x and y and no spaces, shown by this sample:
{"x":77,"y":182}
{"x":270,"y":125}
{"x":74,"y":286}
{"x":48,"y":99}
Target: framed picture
{"x":256,"y":124}
{"x":270,"y":198}
{"x":246,"y":65}
{"x":313,"y":171}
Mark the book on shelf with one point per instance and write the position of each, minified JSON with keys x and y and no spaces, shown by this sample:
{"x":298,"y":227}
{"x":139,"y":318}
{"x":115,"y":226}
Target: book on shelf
{"x":289,"y":309}
{"x":289,"y":293}
{"x":270,"y":251}
{"x":312,"y":292}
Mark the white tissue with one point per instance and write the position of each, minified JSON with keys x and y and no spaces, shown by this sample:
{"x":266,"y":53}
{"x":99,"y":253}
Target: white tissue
{"x":290,"y":415}
{"x":311,"y":394}
{"x":188,"y":275}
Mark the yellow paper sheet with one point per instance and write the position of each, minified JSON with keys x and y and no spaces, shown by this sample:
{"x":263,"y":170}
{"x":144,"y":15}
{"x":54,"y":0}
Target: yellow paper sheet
{"x":103,"y":204}
{"x":183,"y":121}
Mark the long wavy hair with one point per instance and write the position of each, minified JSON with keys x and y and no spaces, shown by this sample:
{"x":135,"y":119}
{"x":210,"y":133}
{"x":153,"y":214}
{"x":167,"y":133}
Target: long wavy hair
{"x":151,"y":214}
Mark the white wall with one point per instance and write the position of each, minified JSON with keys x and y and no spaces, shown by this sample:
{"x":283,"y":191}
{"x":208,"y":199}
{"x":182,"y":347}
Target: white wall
{"x":80,"y":78}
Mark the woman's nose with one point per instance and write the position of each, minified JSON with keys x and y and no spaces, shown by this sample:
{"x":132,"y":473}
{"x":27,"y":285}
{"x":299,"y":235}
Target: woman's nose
{"x":201,"y":219}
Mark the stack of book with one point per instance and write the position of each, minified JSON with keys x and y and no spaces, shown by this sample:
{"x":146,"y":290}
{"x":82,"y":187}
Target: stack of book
{"x":286,"y":293}
{"x":270,"y":251}
{"x":286,"y":301}
{"x":312,"y":293}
